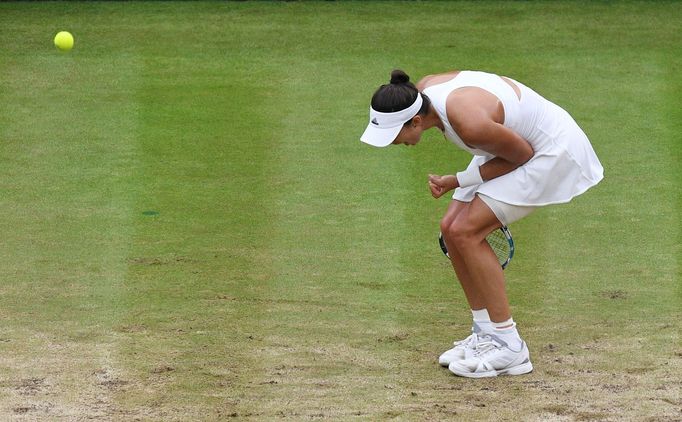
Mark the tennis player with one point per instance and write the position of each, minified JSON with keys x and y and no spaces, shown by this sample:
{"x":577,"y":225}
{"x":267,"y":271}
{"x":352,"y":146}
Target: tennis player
{"x":527,"y":153}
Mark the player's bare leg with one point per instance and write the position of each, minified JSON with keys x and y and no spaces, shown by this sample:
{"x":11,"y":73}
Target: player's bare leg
{"x":503,"y":352}
{"x":481,"y":321}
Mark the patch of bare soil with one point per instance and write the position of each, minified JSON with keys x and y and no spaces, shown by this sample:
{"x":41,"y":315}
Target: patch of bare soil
{"x":65,"y":380}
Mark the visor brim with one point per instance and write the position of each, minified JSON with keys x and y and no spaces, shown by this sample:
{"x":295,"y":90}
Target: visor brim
{"x":378,"y":137}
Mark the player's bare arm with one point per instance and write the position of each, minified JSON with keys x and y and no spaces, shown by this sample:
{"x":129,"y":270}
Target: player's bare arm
{"x":478,"y":116}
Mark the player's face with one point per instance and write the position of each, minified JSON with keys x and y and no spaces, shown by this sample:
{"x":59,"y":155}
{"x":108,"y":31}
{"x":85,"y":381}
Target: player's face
{"x":410,"y":134}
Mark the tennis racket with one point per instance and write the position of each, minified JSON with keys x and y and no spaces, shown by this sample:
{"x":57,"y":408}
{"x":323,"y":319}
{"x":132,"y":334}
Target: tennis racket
{"x":499,"y":240}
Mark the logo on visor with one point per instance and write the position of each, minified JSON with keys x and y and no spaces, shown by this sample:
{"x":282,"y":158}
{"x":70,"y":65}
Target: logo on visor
{"x":374,"y":121}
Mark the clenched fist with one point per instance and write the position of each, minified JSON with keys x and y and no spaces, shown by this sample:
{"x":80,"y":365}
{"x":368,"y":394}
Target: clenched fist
{"x":439,"y":185}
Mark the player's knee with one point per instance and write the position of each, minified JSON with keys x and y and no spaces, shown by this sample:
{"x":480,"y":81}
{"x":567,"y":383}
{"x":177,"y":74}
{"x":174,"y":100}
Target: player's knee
{"x":459,"y":234}
{"x":445,"y":226}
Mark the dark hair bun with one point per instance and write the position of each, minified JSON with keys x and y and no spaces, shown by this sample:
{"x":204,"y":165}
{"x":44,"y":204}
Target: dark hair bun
{"x":399,"y":77}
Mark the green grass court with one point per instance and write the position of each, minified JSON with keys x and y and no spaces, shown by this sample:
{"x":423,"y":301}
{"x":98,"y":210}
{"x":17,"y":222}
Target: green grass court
{"x":192,"y":230}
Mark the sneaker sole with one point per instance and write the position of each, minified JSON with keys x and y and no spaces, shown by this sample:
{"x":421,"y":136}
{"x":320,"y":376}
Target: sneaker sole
{"x":524,"y":368}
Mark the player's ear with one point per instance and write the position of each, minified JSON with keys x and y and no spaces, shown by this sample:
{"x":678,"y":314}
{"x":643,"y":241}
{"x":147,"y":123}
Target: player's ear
{"x":417,"y":120}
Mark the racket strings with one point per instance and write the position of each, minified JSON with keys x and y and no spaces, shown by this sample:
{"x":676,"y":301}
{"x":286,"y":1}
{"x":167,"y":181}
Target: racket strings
{"x":499,"y":244}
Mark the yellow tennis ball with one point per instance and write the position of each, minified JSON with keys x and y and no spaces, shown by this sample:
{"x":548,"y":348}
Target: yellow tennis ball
{"x":64,"y":41}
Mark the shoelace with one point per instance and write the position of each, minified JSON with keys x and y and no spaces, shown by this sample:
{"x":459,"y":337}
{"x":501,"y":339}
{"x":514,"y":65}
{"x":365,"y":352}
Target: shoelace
{"x":471,"y":340}
{"x":485,"y":347}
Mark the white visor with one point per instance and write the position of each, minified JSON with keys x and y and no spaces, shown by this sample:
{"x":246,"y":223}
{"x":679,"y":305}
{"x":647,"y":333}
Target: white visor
{"x":384,"y":127}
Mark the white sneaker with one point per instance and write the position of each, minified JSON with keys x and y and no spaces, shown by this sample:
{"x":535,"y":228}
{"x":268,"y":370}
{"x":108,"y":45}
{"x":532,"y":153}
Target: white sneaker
{"x":463,"y":349}
{"x":491,"y":358}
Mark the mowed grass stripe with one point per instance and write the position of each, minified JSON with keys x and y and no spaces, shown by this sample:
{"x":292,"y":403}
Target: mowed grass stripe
{"x":672,"y":86}
{"x":199,"y":267}
{"x":69,"y":142}
{"x":672,"y":89}
{"x":618,"y":244}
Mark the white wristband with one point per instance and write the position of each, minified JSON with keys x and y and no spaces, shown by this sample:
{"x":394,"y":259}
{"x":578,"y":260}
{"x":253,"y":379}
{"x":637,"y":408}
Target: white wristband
{"x":469,"y":177}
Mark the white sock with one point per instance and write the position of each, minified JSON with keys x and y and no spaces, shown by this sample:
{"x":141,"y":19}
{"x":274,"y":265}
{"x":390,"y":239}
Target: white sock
{"x":509,"y":334}
{"x":482,"y":320}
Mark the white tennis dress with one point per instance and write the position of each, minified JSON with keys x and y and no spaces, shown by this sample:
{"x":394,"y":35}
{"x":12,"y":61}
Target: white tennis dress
{"x":564,"y":164}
